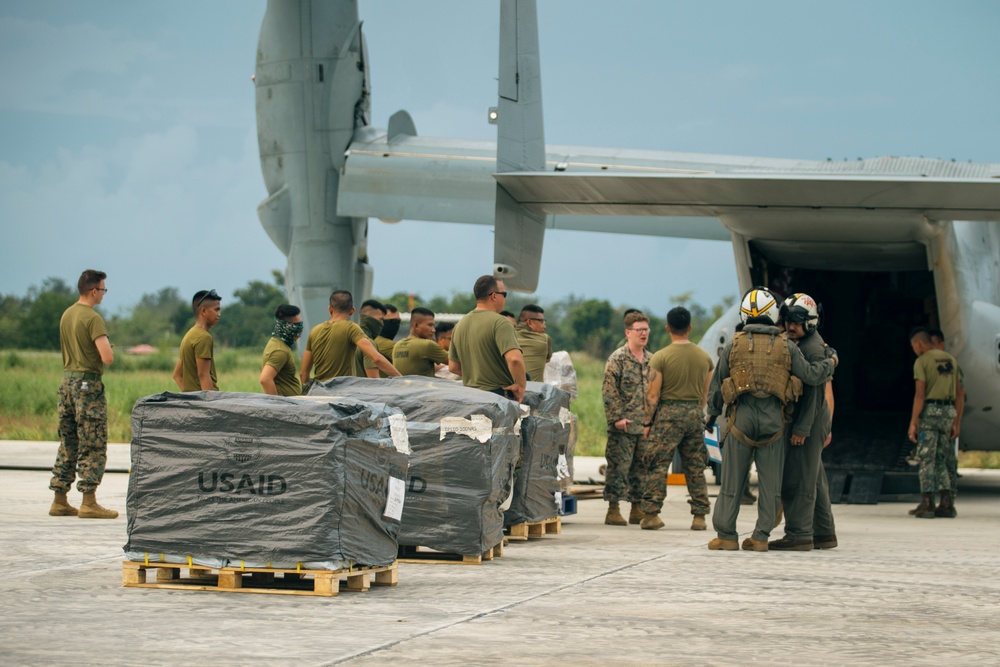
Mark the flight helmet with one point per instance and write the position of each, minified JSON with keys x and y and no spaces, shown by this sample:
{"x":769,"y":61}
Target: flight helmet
{"x":801,"y":308}
{"x":759,"y":302}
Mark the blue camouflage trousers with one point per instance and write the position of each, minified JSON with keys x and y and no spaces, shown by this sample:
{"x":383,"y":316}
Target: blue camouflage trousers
{"x":935,"y":447}
{"x":83,"y":436}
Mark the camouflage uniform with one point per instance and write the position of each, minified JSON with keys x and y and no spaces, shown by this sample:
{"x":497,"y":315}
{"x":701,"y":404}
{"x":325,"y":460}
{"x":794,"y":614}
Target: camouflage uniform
{"x":624,"y":392}
{"x":934,"y":447}
{"x":83,"y":435}
{"x":676,"y":424}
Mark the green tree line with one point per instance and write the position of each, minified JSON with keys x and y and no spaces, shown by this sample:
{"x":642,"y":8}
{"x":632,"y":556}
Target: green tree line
{"x":160,"y":318}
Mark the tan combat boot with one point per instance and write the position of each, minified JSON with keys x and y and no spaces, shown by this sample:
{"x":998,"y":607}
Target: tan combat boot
{"x":651,"y":522}
{"x":89,"y":509}
{"x":698,"y":522}
{"x":635,"y":514}
{"x":926,"y":508}
{"x":750,"y":544}
{"x":719,"y":544}
{"x":614,"y":516}
{"x":61,"y":507}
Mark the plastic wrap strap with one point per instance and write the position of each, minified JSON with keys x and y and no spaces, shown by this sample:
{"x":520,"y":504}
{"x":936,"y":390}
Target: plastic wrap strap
{"x":189,"y":562}
{"x":298,"y":566}
{"x":243,"y":566}
{"x":146,"y":558}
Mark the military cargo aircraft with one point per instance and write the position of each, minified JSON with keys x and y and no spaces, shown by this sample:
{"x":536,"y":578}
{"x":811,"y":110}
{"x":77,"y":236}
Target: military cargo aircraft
{"x":884,"y":244}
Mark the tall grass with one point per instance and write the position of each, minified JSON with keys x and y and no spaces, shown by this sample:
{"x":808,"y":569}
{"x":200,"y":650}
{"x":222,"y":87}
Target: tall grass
{"x":30,"y":381}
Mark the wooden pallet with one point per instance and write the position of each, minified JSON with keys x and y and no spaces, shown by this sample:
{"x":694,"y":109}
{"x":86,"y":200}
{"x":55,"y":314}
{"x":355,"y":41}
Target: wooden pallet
{"x":273,"y":581}
{"x":522,"y":531}
{"x":410,"y":554}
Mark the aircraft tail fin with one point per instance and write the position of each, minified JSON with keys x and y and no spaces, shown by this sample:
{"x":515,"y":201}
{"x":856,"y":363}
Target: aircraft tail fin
{"x":519,"y":233}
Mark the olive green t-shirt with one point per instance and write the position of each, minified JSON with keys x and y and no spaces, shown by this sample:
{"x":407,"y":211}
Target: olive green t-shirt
{"x":196,"y":344}
{"x":332,"y":345}
{"x":384,"y":346}
{"x":684,"y":367}
{"x":537,"y":349}
{"x":417,"y":356}
{"x":478,"y":342}
{"x":79,"y":327}
{"x":940,"y":371}
{"x":279,"y":356}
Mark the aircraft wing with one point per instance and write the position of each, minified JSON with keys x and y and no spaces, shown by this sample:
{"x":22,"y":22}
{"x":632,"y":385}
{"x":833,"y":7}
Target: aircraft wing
{"x":723,"y":195}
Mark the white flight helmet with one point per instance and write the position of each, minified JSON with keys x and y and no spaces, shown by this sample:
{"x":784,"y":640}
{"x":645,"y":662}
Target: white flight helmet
{"x":759,"y":302}
{"x":801,"y":308}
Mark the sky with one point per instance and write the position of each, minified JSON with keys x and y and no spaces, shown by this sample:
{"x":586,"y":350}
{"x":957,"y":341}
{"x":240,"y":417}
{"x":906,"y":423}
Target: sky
{"x":128,"y":139}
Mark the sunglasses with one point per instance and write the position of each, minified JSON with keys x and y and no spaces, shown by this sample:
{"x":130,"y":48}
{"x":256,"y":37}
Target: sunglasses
{"x":211,"y":295}
{"x":503,"y":294}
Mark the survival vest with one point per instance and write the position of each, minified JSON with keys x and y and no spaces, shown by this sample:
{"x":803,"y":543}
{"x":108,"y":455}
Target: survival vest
{"x":760,"y":365}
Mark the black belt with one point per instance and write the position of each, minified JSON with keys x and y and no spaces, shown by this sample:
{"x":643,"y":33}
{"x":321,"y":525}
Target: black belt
{"x":81,"y":374}
{"x":935,"y":401}
{"x":506,"y":393}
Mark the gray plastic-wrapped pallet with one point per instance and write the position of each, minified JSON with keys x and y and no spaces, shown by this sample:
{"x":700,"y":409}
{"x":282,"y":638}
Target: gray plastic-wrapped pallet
{"x":544,"y":435}
{"x":265,"y":479}
{"x":464,"y":446}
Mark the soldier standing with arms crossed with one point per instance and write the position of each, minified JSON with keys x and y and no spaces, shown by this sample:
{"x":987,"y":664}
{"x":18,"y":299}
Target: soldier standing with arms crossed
{"x":675,"y":418}
{"x":626,"y":376}
{"x":83,"y":407}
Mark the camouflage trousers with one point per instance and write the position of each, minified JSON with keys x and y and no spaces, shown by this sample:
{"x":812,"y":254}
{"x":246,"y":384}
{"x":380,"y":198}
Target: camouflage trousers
{"x":678,"y":425}
{"x":83,"y":436}
{"x":623,"y":475}
{"x":935,"y":447}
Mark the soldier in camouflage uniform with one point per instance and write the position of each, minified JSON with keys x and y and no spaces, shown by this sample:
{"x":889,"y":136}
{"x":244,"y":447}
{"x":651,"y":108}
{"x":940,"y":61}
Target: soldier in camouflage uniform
{"x":83,"y":408}
{"x":626,"y":376}
{"x":936,"y":421}
{"x":675,"y":418}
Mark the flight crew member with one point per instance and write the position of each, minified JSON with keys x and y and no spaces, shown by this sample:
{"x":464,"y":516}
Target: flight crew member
{"x":626,"y":376}
{"x":758,"y":375}
{"x":332,"y":345}
{"x":484,"y":349}
{"x":675,"y":419}
{"x":370,"y":320}
{"x":418,"y":354}
{"x":934,"y":422}
{"x":536,"y":345}
{"x":83,"y":407}
{"x":805,"y":491}
{"x":384,"y":340}
{"x":195,"y":369}
{"x":278,"y":376}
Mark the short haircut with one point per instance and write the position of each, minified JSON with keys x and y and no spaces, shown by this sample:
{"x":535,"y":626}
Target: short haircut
{"x":935,"y":333}
{"x":507,"y":313}
{"x":530,"y":308}
{"x":629,"y":311}
{"x":922,"y":337}
{"x":679,"y":319}
{"x":915,"y":330}
{"x":635,"y":316}
{"x":341,"y":301}
{"x":371,"y":304}
{"x":202,"y":298}
{"x":421,"y":312}
{"x":443,"y":327}
{"x":389,"y":308}
{"x":286,"y":311}
{"x":485,"y":285}
{"x":90,"y":279}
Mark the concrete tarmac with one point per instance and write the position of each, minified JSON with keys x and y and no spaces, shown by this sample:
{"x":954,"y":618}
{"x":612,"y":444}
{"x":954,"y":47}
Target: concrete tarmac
{"x":897,"y":591}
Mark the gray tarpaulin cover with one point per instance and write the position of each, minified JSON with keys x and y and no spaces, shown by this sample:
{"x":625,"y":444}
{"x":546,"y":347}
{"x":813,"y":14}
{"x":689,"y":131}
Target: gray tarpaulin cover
{"x":544,"y":437}
{"x":464,"y":443}
{"x":264,"y":479}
